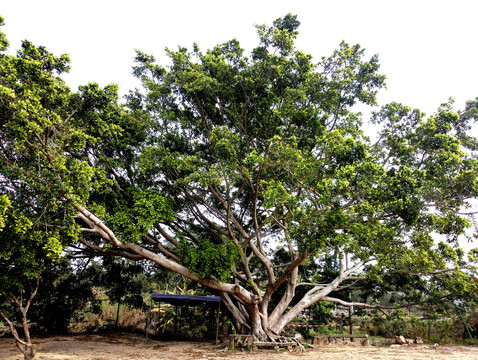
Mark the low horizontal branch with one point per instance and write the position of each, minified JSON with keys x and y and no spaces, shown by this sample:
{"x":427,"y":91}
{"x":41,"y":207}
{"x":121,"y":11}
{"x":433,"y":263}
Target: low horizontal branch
{"x":376,"y":306}
{"x":103,"y":252}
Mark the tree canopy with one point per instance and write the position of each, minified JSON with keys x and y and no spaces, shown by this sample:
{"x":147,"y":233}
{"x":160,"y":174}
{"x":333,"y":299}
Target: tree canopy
{"x":236,"y":171}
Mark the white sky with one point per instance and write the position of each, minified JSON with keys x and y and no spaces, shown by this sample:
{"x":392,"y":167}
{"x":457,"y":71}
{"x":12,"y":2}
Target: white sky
{"x":427,"y":49}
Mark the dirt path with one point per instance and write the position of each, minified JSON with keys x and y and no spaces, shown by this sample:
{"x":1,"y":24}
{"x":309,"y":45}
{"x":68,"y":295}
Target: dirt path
{"x":127,"y":346}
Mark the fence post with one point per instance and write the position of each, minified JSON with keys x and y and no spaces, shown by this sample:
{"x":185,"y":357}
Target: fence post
{"x":117,"y":313}
{"x":217,"y":321}
{"x":175,"y":320}
{"x":464,"y":323}
{"x":400,"y":328}
{"x":148,"y":321}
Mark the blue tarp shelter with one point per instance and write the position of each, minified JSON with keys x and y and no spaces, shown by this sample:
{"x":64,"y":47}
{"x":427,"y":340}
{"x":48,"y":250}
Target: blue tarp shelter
{"x":191,"y":300}
{"x":188,"y":300}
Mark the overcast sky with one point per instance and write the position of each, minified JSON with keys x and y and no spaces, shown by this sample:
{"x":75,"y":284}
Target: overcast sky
{"x":427,"y":49}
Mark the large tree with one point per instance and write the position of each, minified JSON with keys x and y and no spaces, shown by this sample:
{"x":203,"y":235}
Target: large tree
{"x":237,"y":171}
{"x":32,"y":226}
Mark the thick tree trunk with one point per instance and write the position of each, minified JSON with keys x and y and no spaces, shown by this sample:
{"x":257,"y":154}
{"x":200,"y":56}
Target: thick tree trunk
{"x":286,"y":299}
{"x":255,"y":321}
{"x":315,"y":294}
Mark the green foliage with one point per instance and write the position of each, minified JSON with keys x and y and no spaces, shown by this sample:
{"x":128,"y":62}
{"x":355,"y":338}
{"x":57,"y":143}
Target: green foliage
{"x":322,"y":312}
{"x":4,"y":205}
{"x":441,"y":330}
{"x":122,"y":281}
{"x":209,"y":260}
{"x":3,"y":39}
{"x":135,"y":218}
{"x":224,"y":158}
{"x":24,"y":251}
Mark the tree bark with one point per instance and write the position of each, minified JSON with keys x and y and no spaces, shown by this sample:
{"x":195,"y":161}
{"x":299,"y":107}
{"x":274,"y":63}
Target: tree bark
{"x":25,"y":346}
{"x":255,"y":320}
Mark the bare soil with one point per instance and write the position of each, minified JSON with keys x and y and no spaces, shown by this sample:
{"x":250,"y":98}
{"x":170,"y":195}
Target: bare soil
{"x":121,"y":346}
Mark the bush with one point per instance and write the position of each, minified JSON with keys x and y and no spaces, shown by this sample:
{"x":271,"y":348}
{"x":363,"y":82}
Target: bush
{"x":444,"y":330}
{"x":129,"y":319}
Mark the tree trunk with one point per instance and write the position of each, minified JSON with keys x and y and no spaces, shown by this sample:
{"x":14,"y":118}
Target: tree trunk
{"x":25,"y":346}
{"x":255,"y":321}
{"x":28,"y":350}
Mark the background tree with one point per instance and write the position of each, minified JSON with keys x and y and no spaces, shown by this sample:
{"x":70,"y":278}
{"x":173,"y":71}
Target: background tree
{"x":21,"y":262}
{"x":31,"y":222}
{"x":123,"y":281}
{"x":223,"y":159}
{"x":65,"y":294}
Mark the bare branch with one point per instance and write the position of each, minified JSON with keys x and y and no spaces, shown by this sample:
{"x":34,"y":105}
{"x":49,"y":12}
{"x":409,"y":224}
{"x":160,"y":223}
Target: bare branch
{"x":377,"y":306}
{"x":103,"y":252}
{"x":161,"y":248}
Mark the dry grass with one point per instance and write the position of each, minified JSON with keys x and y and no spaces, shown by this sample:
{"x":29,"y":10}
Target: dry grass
{"x":128,"y":319}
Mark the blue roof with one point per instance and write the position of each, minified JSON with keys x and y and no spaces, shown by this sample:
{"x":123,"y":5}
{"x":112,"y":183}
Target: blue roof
{"x":192,"y":300}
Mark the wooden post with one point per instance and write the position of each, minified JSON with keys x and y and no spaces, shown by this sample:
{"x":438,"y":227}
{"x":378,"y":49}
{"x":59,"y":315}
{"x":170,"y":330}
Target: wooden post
{"x":217,"y":321}
{"x":117,"y":313}
{"x":148,"y":320}
{"x":351,"y":308}
{"x":175,"y":320}
{"x":464,"y":323}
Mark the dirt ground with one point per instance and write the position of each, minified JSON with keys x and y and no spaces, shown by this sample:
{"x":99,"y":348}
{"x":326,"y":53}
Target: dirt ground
{"x":127,"y":346}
